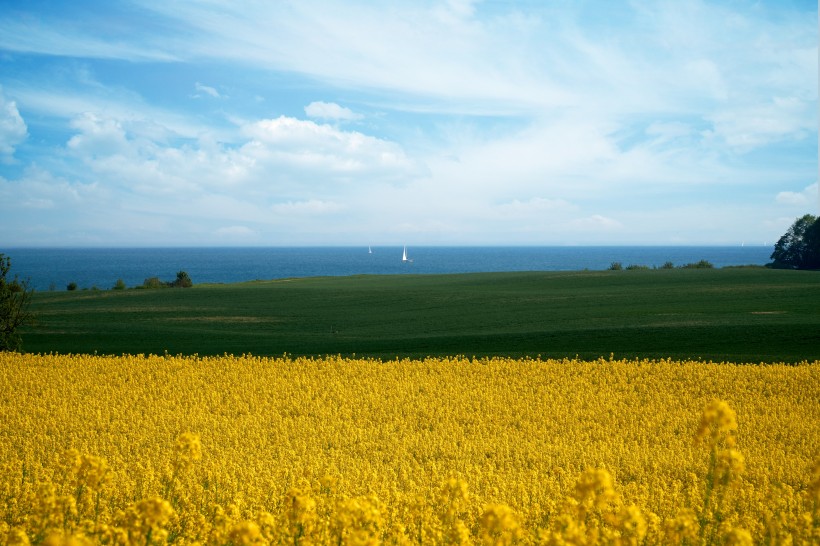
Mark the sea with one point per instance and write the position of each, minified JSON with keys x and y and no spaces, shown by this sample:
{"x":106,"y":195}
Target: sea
{"x":101,"y":268}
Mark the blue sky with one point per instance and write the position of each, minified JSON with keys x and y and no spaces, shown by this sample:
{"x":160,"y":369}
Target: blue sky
{"x":554,"y":122}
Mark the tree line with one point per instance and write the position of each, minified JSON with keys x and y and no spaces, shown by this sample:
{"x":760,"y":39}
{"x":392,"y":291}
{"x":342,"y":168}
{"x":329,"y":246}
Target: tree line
{"x":183,"y":280}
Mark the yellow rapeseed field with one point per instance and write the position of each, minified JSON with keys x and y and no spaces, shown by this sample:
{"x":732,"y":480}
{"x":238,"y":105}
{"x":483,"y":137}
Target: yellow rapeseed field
{"x":246,"y":450}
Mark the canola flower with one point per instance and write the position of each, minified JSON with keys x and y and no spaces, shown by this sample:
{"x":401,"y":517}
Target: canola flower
{"x":237,"y":450}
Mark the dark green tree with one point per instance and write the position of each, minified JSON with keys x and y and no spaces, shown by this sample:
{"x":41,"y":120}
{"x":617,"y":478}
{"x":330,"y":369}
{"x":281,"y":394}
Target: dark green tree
{"x":182,"y":280}
{"x":812,"y":236}
{"x":799,"y":247}
{"x":15,"y":298}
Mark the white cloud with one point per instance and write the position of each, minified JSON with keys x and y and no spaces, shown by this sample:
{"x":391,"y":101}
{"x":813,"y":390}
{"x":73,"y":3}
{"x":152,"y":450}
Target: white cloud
{"x":29,"y":35}
{"x":276,"y":158}
{"x":98,"y":136}
{"x":330,"y":110}
{"x":707,"y":75}
{"x":313,"y":147}
{"x":667,"y":131}
{"x":13,"y":129}
{"x":596,"y":222}
{"x":536,"y":205}
{"x":208,"y":90}
{"x":806,"y":197}
{"x":411,"y":49}
{"x":781,"y":118}
{"x":128,"y":109}
{"x":309,"y":207}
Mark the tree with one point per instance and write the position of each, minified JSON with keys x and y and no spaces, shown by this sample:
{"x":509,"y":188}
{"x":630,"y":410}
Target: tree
{"x":799,"y":247}
{"x":182,"y":280}
{"x":153,"y":282}
{"x":15,"y":297}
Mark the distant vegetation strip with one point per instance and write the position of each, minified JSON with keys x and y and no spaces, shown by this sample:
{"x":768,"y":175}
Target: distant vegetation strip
{"x":183,"y":280}
{"x":251,"y":450}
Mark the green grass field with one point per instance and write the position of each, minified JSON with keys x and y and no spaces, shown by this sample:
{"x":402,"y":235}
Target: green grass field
{"x":731,"y":314}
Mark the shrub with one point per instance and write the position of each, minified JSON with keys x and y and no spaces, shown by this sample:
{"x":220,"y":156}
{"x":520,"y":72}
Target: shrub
{"x":182,"y":280}
{"x":615,"y":266}
{"x":153,"y":282}
{"x":668,"y":265}
{"x":119,"y":285}
{"x":633,"y":267}
{"x":15,"y":298}
{"x":703,"y":264}
{"x":71,"y":286}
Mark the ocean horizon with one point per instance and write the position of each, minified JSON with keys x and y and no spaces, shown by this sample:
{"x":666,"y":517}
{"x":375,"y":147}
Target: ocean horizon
{"x":97,"y":267}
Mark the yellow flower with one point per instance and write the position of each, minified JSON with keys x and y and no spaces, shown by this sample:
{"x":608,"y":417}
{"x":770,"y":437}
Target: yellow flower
{"x":718,"y":425}
{"x":682,"y":528}
{"x":499,"y":526}
{"x":739,"y":537}
{"x":813,"y":490}
{"x":632,"y":525}
{"x":154,"y":513}
{"x":245,"y":533}
{"x":92,"y":471}
{"x":729,"y":465}
{"x":188,"y":447}
{"x":301,"y":508}
{"x":594,"y":488}
{"x":17,"y":537}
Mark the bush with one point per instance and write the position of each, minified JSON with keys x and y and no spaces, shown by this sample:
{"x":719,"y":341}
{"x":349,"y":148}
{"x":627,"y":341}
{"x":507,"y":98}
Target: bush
{"x":703,"y":264}
{"x":71,"y":286}
{"x":15,"y":298}
{"x":153,"y":282}
{"x":633,"y":267}
{"x":668,"y":265}
{"x":615,"y":266}
{"x":182,"y":280}
{"x":119,"y":285}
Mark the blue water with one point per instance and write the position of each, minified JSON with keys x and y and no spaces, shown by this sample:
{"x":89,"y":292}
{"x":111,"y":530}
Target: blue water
{"x":54,"y":268}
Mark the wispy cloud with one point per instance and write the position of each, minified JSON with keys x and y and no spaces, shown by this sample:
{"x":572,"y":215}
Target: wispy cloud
{"x":206,"y":89}
{"x":310,"y":207}
{"x":23,"y":32}
{"x":330,"y":110}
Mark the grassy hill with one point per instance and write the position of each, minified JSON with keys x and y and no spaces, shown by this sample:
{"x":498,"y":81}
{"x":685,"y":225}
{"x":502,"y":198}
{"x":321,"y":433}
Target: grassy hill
{"x":734,"y":314}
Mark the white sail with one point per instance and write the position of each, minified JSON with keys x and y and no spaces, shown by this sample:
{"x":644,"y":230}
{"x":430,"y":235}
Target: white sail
{"x":404,"y":255}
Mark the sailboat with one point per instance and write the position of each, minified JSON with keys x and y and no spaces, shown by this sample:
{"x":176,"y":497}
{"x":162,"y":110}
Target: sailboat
{"x":404,"y":255}
{"x":369,"y":250}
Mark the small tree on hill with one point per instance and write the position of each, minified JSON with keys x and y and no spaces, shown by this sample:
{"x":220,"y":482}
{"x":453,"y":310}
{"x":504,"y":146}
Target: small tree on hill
{"x":182,"y":280}
{"x":703,"y":264}
{"x":799,"y":247}
{"x":153,"y":282}
{"x":15,"y":297}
